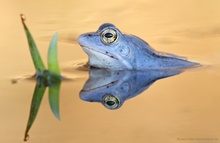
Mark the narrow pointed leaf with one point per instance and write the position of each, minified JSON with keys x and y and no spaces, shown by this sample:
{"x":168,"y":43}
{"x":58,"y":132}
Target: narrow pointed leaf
{"x":38,"y":63}
{"x":54,"y":91}
{"x":35,"y":104}
{"x":52,"y":55}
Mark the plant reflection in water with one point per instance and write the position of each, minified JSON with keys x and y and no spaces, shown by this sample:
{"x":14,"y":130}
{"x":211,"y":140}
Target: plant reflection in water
{"x":51,"y":81}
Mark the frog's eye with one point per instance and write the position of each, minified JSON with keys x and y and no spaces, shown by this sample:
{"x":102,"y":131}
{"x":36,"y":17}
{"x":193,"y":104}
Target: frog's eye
{"x":111,"y":102}
{"x":109,"y":36}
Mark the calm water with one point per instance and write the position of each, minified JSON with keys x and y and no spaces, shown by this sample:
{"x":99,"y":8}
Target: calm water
{"x":181,"y":108}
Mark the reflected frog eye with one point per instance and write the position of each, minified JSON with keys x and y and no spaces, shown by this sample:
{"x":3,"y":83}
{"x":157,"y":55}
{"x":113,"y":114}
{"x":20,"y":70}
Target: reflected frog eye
{"x":109,"y":36}
{"x":110,"y":102}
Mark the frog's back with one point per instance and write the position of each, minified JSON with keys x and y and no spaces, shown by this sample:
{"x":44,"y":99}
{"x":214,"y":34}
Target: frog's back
{"x":145,"y":57}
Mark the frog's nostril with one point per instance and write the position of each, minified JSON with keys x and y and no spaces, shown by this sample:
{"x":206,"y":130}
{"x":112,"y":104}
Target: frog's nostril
{"x":89,"y":35}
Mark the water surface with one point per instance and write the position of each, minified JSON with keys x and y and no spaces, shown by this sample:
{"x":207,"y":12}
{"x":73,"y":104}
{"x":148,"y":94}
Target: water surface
{"x":181,"y":107}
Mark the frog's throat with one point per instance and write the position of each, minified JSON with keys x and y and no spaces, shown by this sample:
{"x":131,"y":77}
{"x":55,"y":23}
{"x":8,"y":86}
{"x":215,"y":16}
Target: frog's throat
{"x":106,"y":54}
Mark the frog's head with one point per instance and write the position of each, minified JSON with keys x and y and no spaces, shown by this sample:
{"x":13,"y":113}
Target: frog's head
{"x":106,"y":48}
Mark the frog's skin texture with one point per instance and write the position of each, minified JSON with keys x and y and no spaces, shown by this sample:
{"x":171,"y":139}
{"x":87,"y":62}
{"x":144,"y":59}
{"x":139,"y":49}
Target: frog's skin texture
{"x":109,"y":48}
{"x":112,"y":88}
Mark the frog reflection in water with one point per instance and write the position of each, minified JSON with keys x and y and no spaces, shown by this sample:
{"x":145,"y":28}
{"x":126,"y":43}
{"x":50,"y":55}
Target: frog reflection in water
{"x":112,"y":88}
{"x":109,"y":48}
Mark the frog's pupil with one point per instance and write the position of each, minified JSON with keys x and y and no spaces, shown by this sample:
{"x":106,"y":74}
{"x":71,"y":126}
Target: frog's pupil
{"x":108,"y":35}
{"x":110,"y":103}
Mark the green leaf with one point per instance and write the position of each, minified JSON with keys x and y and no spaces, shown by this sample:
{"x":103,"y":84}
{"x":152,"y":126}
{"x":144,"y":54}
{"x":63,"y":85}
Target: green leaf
{"x":52,"y":55}
{"x":35,"y":104}
{"x":38,"y":63}
{"x":54,"y":99}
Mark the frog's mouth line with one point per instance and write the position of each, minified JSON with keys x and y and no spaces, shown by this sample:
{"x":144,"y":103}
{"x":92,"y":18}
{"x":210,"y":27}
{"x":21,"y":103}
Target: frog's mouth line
{"x":100,"y":52}
{"x":105,"y":85}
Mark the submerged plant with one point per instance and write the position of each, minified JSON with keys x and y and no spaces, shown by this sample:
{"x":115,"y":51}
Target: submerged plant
{"x":45,"y":77}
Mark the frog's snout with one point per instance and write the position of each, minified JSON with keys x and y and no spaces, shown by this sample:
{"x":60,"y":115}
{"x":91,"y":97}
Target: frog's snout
{"x":84,"y":39}
{"x":80,"y":39}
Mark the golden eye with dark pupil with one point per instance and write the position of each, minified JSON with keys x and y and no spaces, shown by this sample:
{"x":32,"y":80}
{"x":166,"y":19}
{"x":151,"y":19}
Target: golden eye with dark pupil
{"x":108,"y":36}
{"x":111,"y":101}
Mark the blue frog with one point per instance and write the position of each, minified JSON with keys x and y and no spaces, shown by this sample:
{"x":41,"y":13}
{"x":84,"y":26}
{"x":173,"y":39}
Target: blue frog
{"x":110,"y":49}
